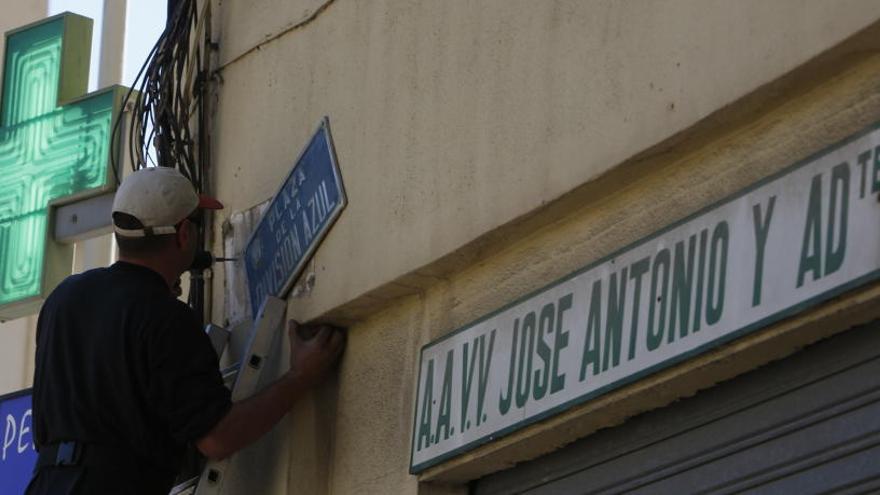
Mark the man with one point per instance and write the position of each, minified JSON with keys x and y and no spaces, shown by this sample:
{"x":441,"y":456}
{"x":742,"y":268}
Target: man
{"x":125,"y":378}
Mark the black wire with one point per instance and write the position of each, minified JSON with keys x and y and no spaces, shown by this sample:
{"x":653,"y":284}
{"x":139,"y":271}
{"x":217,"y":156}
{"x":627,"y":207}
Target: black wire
{"x":164,"y":97}
{"x":166,"y":101}
{"x":117,"y":126}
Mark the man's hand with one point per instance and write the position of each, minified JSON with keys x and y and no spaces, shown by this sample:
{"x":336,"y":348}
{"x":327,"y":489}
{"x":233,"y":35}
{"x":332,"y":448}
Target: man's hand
{"x":313,"y":350}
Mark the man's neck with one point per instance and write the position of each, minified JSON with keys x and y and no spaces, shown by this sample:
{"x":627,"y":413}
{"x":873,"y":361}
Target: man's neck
{"x":168,"y":274}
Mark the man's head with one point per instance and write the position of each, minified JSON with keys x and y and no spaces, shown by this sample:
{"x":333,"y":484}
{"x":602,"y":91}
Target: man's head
{"x":155,"y":215}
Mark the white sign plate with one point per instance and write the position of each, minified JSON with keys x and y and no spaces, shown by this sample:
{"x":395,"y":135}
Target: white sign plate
{"x":787,"y":243}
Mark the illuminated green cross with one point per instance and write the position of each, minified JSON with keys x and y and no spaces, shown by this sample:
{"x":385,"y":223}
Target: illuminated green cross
{"x":54,"y":148}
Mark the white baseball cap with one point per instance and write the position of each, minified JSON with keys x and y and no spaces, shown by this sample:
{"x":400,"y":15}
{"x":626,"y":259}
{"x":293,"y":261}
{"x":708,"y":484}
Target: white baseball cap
{"x":160,"y":198}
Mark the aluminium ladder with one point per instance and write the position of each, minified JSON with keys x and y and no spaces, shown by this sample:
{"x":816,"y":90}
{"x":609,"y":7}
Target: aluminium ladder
{"x":269,"y":322}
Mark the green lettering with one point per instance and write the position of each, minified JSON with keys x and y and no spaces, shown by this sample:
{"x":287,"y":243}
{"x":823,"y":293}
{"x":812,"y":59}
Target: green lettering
{"x":864,"y":158}
{"x":682,"y":285}
{"x":424,"y":439}
{"x":654,"y":339}
{"x":557,"y":383}
{"x":762,"y":228}
{"x":483,"y":382}
{"x":524,"y":373}
{"x":504,"y":402}
{"x":701,"y":275}
{"x":636,"y":271}
{"x":614,"y":322}
{"x":594,"y":326}
{"x":875,"y":182}
{"x":839,"y":187}
{"x":467,"y":381}
{"x":717,"y":264}
{"x":444,"y":416}
{"x":545,"y":324}
{"x":812,"y":241}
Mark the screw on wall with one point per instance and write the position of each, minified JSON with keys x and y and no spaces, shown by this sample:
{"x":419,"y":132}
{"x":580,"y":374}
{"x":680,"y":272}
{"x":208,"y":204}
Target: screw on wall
{"x":304,"y":289}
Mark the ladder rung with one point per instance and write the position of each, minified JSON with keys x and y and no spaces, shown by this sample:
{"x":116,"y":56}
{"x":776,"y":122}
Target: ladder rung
{"x":185,"y":488}
{"x":267,"y":326}
{"x":230,"y":374}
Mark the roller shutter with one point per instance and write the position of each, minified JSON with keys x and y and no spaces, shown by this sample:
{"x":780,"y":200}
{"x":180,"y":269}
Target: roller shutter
{"x":807,"y":424}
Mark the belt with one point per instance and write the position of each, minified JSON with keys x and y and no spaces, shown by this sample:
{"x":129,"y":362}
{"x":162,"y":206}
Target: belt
{"x":105,"y":459}
{"x":82,"y":454}
{"x":60,"y":454}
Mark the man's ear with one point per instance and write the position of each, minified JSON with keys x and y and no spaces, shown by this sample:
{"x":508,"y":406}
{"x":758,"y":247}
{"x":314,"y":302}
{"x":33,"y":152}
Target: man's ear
{"x":182,"y":235}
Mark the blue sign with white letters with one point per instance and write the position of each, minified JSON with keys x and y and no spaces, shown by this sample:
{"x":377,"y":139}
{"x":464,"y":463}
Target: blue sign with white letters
{"x":17,"y":454}
{"x":298,"y":218}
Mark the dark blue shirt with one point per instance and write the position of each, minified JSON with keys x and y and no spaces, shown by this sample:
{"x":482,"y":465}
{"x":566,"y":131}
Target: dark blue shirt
{"x":121,"y":362}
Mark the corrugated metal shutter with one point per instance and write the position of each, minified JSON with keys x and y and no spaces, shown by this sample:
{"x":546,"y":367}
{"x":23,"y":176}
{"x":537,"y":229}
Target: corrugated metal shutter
{"x":807,"y":424}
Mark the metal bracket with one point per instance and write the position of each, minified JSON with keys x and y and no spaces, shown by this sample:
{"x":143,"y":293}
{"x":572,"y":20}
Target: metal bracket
{"x":84,"y":219}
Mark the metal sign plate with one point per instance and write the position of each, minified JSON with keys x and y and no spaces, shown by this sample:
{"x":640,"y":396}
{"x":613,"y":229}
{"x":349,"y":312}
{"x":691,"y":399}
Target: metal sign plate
{"x":299,"y":216}
{"x":783,"y":245}
{"x":17,"y":454}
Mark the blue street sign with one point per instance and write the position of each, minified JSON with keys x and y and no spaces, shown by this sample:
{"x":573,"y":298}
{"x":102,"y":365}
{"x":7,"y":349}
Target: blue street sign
{"x":300,"y":215}
{"x":17,"y":454}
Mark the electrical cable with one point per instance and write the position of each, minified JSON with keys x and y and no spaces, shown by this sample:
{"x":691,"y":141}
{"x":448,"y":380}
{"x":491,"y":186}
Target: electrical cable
{"x":166,"y":98}
{"x":167,"y":103}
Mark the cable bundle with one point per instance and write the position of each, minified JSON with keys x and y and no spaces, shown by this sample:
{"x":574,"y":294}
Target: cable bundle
{"x":166,"y":99}
{"x":167,"y":103}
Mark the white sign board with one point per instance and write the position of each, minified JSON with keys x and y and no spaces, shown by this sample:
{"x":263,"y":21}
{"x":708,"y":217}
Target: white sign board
{"x":790,"y":242}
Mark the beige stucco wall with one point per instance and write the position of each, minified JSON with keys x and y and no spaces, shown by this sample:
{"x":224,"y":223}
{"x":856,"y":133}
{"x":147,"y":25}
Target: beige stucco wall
{"x":453,"y":118}
{"x":489,"y":148}
{"x":17,"y":336}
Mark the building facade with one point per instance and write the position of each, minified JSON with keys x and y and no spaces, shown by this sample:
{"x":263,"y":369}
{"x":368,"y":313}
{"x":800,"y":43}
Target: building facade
{"x":490,"y":149}
{"x":494,"y":151}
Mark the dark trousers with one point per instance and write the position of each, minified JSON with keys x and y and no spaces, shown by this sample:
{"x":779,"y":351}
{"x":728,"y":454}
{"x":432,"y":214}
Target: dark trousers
{"x":96,"y":480}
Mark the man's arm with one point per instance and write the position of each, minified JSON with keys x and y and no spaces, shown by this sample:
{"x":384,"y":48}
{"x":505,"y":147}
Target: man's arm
{"x":249,"y":419}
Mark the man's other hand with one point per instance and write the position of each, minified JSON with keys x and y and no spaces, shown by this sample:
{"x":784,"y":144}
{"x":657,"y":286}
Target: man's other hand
{"x":314,"y":349}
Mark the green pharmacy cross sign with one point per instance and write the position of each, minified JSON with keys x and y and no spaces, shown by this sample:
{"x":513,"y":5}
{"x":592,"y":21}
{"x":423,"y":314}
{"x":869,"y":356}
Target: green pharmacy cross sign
{"x":55,"y":147}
